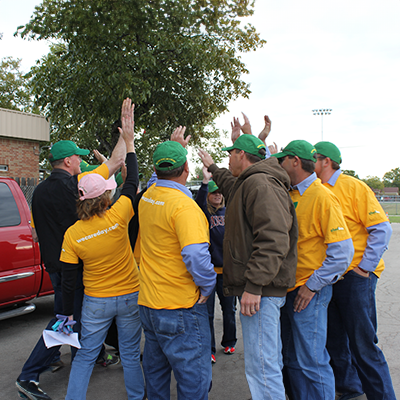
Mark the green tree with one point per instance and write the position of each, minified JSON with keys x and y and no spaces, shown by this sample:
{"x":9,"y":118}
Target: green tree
{"x":350,"y":172}
{"x":177,"y":59}
{"x":392,"y":178}
{"x":373,"y":182}
{"x":14,"y":86}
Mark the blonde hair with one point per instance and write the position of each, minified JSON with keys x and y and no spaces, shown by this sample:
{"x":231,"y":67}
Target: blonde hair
{"x":213,"y":210}
{"x":86,"y":209}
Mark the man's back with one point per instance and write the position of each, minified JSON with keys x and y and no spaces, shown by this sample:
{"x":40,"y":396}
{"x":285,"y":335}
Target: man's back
{"x":361,"y":210}
{"x":320,"y":222}
{"x":172,"y":221}
{"x":54,"y":211}
{"x":261,"y":229}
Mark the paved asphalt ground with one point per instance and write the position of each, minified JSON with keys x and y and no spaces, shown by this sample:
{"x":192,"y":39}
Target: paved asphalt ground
{"x":19,"y":335}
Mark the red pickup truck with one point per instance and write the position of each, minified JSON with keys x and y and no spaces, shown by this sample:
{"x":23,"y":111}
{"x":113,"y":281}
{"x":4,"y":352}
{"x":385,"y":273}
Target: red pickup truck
{"x":22,"y":276}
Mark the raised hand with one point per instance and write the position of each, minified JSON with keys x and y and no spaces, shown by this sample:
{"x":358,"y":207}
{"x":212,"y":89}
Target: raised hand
{"x":128,"y":124}
{"x":206,"y":175}
{"x":205,"y":158}
{"x":178,"y":136}
{"x":273,"y":148}
{"x":235,"y":129}
{"x":99,"y":156}
{"x":246,"y":127}
{"x":266,"y":130}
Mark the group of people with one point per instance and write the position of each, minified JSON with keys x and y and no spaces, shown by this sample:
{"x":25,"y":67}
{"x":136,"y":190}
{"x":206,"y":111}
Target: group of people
{"x":287,"y":235}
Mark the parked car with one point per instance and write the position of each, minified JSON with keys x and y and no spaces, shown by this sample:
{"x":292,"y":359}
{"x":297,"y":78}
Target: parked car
{"x":22,"y":275}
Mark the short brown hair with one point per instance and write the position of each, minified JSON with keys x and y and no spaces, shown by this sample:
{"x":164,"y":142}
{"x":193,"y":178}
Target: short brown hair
{"x":56,"y":163}
{"x":86,"y":209}
{"x":307,"y":165}
{"x":173,"y":173}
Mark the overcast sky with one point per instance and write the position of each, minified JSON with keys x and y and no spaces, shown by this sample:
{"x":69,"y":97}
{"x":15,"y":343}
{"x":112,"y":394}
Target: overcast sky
{"x":342,"y":55}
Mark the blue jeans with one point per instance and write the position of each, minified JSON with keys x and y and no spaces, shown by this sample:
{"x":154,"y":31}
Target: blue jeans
{"x":358,"y":363}
{"x":97,"y":315}
{"x":308,"y":374}
{"x":41,"y":357}
{"x":177,"y":340}
{"x":228,"y":306}
{"x":263,"y":350}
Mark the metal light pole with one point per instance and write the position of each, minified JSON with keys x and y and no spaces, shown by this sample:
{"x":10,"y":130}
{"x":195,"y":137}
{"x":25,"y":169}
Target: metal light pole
{"x":322,"y":113}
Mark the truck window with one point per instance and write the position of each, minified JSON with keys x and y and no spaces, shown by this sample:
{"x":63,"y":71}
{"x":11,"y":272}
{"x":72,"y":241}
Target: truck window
{"x":9,"y":214}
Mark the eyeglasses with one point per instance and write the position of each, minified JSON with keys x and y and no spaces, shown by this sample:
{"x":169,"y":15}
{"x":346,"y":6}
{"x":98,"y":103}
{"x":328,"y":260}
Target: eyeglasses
{"x":281,"y":159}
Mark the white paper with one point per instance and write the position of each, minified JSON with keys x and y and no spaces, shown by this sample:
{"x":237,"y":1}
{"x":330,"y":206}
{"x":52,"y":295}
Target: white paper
{"x":52,"y":339}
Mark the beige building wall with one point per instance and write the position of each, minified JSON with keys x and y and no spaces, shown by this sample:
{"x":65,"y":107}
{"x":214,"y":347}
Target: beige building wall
{"x":19,"y":125}
{"x":21,"y":135}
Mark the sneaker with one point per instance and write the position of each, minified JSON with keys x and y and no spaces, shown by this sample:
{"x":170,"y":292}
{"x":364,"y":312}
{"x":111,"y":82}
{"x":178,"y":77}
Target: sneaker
{"x":213,"y":360}
{"x":108,"y":359}
{"x":31,"y":390}
{"x":229,"y":350}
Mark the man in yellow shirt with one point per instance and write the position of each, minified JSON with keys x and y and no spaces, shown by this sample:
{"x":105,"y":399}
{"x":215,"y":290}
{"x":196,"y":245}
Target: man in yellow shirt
{"x":176,"y":278}
{"x":324,"y":252}
{"x":358,"y":363}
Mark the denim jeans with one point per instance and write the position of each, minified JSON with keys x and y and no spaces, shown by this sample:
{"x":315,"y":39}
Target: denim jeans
{"x":358,"y":363}
{"x":308,"y":374}
{"x":228,"y":306}
{"x":177,"y":340}
{"x":263,"y":350}
{"x":97,"y":315}
{"x":41,"y":357}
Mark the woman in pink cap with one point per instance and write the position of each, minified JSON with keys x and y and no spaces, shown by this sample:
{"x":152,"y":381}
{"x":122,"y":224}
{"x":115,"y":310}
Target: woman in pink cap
{"x":110,"y":274}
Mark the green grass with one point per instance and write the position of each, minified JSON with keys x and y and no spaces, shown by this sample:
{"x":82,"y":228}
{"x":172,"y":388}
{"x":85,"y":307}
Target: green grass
{"x":394,"y":218}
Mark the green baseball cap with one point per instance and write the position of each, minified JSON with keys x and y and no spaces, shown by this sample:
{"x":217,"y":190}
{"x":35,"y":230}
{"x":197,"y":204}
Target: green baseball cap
{"x":169,"y":152}
{"x":65,"y":148}
{"x":249,"y":144}
{"x":299,"y":148}
{"x":212,"y":187}
{"x":328,"y":149}
{"x":85,"y":167}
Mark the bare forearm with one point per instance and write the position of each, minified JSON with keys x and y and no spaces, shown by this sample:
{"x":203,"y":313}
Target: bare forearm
{"x":117,"y":158}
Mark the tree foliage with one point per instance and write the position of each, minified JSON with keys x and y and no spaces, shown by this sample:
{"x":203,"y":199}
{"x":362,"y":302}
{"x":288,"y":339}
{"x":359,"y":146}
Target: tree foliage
{"x":14,"y":86}
{"x":350,"y":172}
{"x":177,"y":59}
{"x":373,"y":182}
{"x":392,"y":178}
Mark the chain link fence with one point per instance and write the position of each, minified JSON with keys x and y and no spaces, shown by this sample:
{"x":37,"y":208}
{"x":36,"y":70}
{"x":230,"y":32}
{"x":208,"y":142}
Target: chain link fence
{"x":28,"y":192}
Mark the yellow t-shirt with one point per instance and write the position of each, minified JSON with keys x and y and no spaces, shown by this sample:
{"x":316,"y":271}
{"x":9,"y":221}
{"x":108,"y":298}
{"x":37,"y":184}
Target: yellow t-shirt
{"x":101,"y":170}
{"x":321,"y":222}
{"x":361,"y":210}
{"x":109,"y":268}
{"x":169,"y":221}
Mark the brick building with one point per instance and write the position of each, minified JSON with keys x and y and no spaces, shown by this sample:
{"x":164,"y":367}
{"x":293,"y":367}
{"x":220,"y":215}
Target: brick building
{"x":21,"y":135}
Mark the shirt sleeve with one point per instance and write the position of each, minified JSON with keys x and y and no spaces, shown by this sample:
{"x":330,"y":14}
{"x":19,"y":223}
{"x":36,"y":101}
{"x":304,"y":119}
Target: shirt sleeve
{"x":101,"y":170}
{"x":152,"y":179}
{"x":201,"y":197}
{"x":132,"y":177}
{"x":68,"y":283}
{"x":198,"y":262}
{"x":223,"y":179}
{"x":338,"y":259}
{"x":377,"y":243}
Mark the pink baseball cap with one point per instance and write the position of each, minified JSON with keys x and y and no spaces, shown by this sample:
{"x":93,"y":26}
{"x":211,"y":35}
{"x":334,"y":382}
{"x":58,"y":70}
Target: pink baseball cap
{"x":94,"y":185}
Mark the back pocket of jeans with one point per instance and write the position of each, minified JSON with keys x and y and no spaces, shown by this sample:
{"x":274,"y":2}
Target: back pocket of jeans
{"x":169,"y":322}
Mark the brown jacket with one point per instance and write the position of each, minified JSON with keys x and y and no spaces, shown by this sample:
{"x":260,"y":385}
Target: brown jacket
{"x":260,"y":243}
